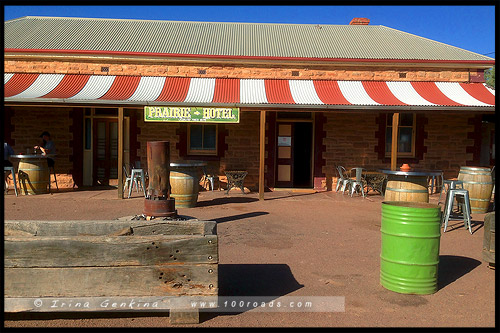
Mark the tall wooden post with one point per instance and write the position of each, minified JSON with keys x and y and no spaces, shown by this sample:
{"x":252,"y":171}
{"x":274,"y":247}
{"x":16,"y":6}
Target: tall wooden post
{"x":262,"y":153}
{"x":394,"y":147}
{"x":120,"y":153}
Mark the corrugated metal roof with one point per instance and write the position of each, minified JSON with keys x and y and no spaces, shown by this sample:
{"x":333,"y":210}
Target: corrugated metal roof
{"x":227,"y":39}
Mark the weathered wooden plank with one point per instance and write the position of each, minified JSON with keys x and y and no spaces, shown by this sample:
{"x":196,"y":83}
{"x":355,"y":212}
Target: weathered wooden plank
{"x":116,"y":303}
{"x":184,"y":316}
{"x":161,"y":280}
{"x":93,"y":251}
{"x":107,"y":227}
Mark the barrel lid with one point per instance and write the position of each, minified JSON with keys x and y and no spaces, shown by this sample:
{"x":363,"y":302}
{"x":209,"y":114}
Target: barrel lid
{"x":475,"y":168}
{"x":411,"y":204}
{"x":188,"y":164}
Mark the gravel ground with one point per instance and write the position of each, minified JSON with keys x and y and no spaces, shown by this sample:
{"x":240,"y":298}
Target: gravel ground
{"x":291,"y":244}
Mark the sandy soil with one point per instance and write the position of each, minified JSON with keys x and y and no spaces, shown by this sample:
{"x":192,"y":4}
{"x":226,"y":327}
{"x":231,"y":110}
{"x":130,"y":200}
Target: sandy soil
{"x":291,"y":244}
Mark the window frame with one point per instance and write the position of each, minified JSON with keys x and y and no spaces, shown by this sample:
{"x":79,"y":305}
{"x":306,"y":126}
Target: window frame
{"x":206,"y":152}
{"x":388,"y":128}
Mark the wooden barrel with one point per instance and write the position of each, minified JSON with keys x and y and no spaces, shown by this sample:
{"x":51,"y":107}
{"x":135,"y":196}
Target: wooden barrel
{"x":33,"y":174}
{"x":489,"y":238}
{"x":406,"y":188}
{"x":184,"y":183}
{"x":479,"y":183}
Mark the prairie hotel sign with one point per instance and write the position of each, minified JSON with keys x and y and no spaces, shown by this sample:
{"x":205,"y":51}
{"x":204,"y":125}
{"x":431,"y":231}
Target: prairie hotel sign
{"x":191,"y":114}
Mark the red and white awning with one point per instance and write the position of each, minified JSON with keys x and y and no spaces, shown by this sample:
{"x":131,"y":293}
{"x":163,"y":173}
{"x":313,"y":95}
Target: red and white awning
{"x":149,"y":90}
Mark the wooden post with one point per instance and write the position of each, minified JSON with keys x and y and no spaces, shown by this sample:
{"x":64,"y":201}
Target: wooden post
{"x":120,"y":153}
{"x":394,"y":147}
{"x":262,"y":153}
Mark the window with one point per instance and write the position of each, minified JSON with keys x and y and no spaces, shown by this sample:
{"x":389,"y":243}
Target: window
{"x":406,"y":135}
{"x":202,"y":139}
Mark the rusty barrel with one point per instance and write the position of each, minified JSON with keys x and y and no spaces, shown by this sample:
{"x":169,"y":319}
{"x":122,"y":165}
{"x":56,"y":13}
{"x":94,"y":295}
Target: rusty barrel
{"x":158,"y":202}
{"x":34,"y":175}
{"x":185,"y":182}
{"x":479,"y":182}
{"x":407,"y":188}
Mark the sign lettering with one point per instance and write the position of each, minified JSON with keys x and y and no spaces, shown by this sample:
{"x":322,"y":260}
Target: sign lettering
{"x":191,"y":114}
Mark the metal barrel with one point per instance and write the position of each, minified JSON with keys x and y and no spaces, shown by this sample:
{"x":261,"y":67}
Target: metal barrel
{"x":479,"y":182}
{"x":158,"y":154}
{"x":158,"y":202}
{"x":409,"y":256}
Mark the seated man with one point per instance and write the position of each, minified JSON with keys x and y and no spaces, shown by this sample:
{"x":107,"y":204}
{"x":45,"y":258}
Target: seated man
{"x":48,"y":147}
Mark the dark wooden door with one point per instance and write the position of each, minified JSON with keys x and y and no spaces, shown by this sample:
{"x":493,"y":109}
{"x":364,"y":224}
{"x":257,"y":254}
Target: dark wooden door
{"x":284,"y":158}
{"x":294,"y":154}
{"x":105,"y":148}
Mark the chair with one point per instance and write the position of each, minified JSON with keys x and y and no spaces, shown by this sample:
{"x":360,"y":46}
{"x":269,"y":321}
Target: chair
{"x":13,"y":173}
{"x":463,"y":201}
{"x":136,"y":177}
{"x":343,"y":179}
{"x":210,"y":178}
{"x":357,"y":181}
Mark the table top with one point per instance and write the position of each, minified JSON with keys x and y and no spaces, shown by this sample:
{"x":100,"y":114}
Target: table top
{"x":32,"y":156}
{"x":188,"y":164}
{"x":412,"y":172}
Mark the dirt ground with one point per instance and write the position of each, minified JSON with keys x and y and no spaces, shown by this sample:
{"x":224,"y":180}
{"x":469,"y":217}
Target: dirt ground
{"x":291,"y":244}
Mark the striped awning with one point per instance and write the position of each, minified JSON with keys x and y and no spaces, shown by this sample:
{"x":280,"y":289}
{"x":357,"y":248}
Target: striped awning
{"x":149,"y":90}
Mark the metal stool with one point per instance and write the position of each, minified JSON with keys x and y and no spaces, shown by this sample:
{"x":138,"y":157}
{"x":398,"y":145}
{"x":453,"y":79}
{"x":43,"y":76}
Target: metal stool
{"x":462,"y":197}
{"x":13,"y":173}
{"x":452,"y":184}
{"x":134,"y":176}
{"x":54,"y":173}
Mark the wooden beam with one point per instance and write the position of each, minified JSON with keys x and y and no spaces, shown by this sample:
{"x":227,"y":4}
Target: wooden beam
{"x":262,"y":153}
{"x":394,"y":147}
{"x":120,"y":153}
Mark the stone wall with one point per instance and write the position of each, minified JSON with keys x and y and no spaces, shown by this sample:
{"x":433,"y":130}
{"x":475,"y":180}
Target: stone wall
{"x":255,"y":71}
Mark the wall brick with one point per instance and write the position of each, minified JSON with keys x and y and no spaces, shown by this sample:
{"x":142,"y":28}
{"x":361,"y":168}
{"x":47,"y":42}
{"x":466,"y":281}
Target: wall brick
{"x":233,"y":71}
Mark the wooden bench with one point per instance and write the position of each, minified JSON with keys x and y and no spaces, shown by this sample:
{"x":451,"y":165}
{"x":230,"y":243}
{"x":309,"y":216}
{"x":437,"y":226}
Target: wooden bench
{"x":110,"y":266}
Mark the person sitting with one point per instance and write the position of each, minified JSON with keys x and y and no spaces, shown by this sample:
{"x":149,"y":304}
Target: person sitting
{"x":48,"y":147}
{"x":7,"y":151}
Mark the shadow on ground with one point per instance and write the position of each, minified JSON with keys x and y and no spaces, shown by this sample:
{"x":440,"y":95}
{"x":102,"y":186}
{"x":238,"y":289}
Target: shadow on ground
{"x":452,"y":268}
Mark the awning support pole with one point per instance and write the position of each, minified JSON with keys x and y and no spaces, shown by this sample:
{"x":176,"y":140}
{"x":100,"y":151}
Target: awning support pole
{"x":394,"y":147}
{"x":262,"y":153}
{"x":120,"y":153}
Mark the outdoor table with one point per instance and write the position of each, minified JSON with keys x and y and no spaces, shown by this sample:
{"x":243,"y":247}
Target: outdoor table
{"x":374,"y":180}
{"x":235,"y":179}
{"x":33,"y":173}
{"x":184,"y":182}
{"x":408,"y":185}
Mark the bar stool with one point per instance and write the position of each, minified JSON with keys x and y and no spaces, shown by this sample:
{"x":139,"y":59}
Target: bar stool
{"x":53,"y":171}
{"x":135,"y":176}
{"x":434,"y":182}
{"x":13,"y":173}
{"x":462,"y":197}
{"x":451,"y":184}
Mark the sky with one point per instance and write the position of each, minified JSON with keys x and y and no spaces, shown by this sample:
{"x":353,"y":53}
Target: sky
{"x":468,"y":27}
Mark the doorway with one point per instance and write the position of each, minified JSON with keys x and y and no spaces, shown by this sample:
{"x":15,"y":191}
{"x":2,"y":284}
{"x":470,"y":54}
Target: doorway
{"x":105,"y":150}
{"x":294,"y":154}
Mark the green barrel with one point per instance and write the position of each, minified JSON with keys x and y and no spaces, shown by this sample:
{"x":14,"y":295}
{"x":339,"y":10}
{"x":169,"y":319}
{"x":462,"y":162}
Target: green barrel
{"x":409,"y":256}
